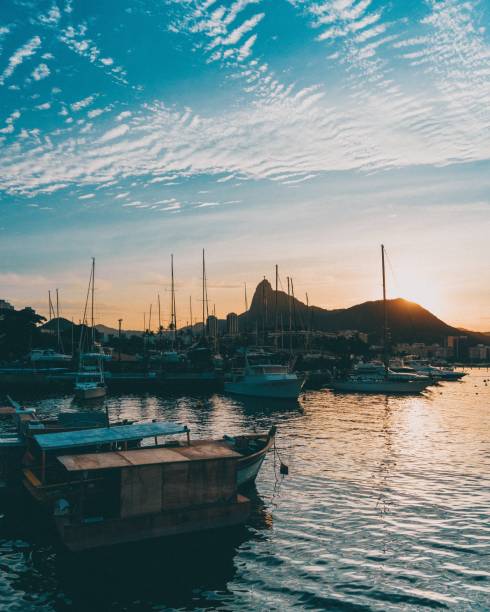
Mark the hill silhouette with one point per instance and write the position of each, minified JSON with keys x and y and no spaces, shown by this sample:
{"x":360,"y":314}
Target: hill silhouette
{"x":407,"y":321}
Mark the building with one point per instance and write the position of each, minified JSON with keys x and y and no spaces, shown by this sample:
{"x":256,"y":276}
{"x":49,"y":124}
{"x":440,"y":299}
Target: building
{"x":4,"y":305}
{"x":232,"y":324}
{"x":480,"y":352}
{"x":212,"y":326}
{"x":459,"y":346}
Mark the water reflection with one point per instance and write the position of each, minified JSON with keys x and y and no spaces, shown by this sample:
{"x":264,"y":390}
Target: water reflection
{"x":385,"y":507}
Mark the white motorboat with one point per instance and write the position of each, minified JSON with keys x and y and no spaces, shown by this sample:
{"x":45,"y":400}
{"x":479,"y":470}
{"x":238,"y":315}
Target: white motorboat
{"x":90,"y":385}
{"x":422,"y":366}
{"x":265,"y":380}
{"x":370,"y":384}
{"x":48,"y":356}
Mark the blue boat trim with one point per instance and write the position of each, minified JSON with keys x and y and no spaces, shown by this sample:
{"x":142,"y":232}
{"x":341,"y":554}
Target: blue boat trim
{"x":104,"y":435}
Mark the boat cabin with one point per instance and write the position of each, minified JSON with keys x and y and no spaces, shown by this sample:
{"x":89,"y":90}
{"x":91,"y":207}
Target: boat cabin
{"x":109,"y":485}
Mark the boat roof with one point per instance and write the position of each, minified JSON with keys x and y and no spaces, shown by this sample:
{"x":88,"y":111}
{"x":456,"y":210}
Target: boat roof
{"x":104,"y":435}
{"x":146,"y":456}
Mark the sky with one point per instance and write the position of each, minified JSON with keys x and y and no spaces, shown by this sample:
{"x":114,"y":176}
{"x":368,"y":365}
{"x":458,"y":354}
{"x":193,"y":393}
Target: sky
{"x":302,"y":133}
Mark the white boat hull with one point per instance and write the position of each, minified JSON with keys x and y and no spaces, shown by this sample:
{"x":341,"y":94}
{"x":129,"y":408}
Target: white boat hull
{"x":248,"y":473}
{"x":273,"y":389}
{"x":90,"y":393}
{"x":379,"y":386}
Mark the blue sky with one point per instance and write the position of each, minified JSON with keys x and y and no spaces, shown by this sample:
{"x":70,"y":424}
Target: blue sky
{"x":297,"y":132}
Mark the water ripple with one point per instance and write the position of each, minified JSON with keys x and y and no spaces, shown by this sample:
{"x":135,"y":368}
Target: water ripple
{"x":386,"y":508}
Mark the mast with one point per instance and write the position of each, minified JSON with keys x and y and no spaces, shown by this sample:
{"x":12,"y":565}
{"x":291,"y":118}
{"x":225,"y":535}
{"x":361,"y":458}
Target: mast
{"x":385,"y":310}
{"x":58,"y":320}
{"x":159,"y":316}
{"x":190,"y":311}
{"x":203,"y":295}
{"x":50,"y":304}
{"x":290,"y":317}
{"x":246,"y":309}
{"x":275,"y":305}
{"x":173,"y":314}
{"x":293,"y":306}
{"x":93,"y":299}
{"x":264,"y":312}
{"x":307,"y":321}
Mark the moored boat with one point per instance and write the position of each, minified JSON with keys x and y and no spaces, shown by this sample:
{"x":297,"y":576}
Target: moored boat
{"x":109,"y":485}
{"x":359,"y":384}
{"x":89,"y":383}
{"x":268,"y":380}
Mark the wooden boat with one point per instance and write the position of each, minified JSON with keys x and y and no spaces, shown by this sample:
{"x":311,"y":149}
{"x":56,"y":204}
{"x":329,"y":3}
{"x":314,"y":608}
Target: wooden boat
{"x":117,"y":488}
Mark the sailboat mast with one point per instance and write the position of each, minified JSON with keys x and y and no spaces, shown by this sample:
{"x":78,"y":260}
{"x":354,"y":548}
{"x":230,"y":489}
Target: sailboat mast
{"x":385,"y":309}
{"x":275,"y":304}
{"x":203,"y":295}
{"x":173,"y":314}
{"x":93,"y":299}
{"x":290,"y":316}
{"x":159,"y":316}
{"x":58,"y":319}
{"x":246,"y":308}
{"x":190,"y":312}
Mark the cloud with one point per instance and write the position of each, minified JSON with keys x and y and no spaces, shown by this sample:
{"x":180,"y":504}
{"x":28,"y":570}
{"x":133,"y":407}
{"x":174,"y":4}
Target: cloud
{"x":76,"y":106}
{"x":87,"y":196}
{"x":286,"y":133}
{"x":41,"y":72}
{"x":23,"y":53}
{"x":116,"y":132}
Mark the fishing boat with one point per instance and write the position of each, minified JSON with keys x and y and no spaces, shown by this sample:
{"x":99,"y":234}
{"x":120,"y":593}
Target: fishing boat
{"x":120,"y":484}
{"x":379,"y":378}
{"x":89,"y":382}
{"x":264,"y":379}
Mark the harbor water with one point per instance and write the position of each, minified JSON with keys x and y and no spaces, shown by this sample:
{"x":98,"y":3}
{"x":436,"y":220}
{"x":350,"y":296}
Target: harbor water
{"x":386,"y":507}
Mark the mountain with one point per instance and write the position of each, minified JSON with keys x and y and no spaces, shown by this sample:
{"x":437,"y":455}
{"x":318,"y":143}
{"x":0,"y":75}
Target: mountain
{"x":407,"y":321}
{"x":111,"y":331}
{"x":52,"y":325}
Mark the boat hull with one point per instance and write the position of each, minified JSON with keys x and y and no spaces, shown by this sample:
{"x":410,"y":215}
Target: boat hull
{"x":85,"y":536}
{"x":287,"y":389}
{"x":385,"y":386}
{"x":90,"y":393}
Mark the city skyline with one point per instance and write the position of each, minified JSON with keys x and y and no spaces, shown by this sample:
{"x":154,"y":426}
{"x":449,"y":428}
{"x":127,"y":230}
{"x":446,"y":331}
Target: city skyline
{"x":296,"y":133}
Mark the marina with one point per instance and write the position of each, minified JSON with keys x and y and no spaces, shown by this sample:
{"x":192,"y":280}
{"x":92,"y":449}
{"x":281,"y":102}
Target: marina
{"x":244,"y":306}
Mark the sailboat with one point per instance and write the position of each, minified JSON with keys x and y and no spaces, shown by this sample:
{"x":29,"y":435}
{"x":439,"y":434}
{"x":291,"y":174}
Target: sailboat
{"x":381,"y":379}
{"x":89,"y":382}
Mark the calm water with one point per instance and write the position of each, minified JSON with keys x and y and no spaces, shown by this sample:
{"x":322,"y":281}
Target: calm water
{"x":386,"y":507}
